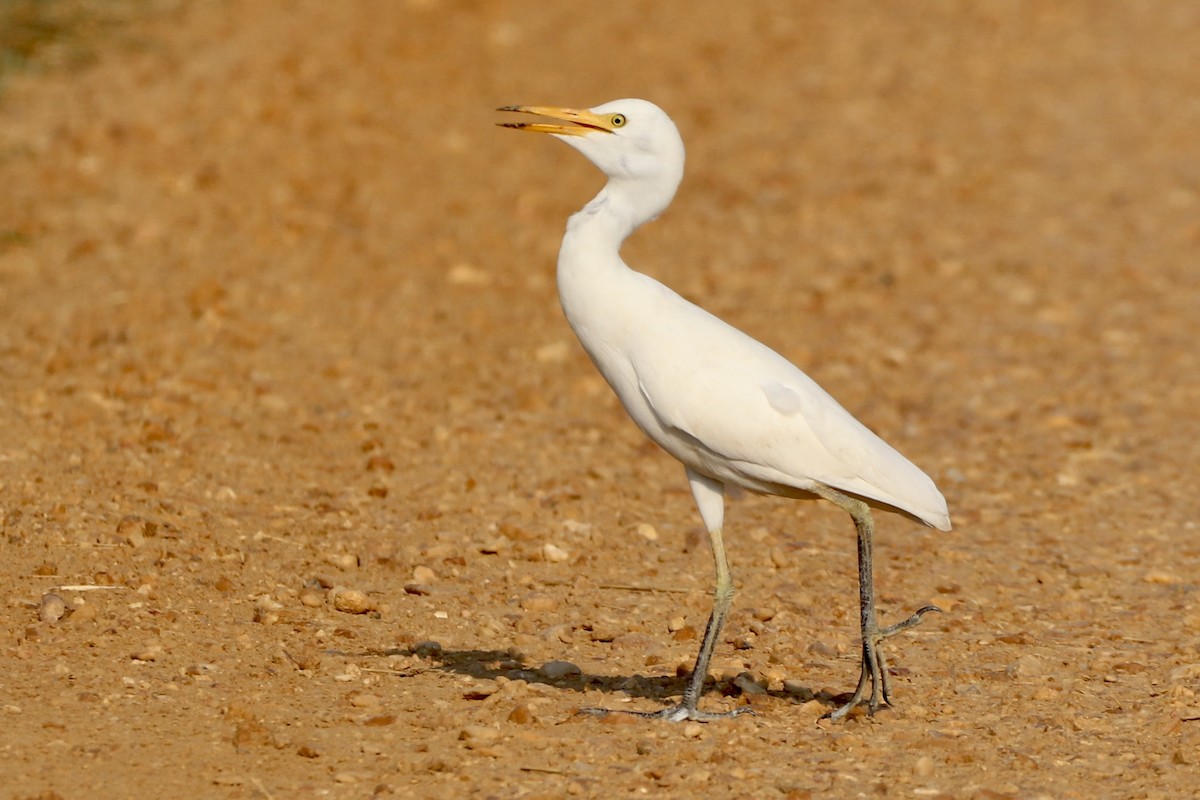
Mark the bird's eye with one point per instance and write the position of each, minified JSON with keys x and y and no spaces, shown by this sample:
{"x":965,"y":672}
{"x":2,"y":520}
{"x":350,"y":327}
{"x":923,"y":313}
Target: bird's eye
{"x":617,"y":120}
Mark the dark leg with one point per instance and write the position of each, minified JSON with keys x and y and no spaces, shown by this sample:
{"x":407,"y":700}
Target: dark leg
{"x":874,"y":662}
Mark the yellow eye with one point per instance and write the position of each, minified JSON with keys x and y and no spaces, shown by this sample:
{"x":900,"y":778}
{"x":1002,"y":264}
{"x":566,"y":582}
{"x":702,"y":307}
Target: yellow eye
{"x":617,"y":120}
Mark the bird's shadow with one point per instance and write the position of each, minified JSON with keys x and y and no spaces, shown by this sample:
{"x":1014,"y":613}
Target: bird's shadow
{"x":663,"y":689}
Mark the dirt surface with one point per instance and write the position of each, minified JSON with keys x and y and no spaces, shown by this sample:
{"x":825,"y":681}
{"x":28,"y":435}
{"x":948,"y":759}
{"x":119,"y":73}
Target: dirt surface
{"x":280,"y":343}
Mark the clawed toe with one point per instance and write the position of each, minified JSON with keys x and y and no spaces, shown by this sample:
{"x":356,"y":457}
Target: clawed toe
{"x":915,"y":619}
{"x":875,"y":668}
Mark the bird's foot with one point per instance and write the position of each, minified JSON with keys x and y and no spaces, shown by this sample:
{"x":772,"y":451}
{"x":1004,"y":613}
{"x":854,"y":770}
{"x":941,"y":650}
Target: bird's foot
{"x":677,"y":713}
{"x":915,"y":619}
{"x":874,"y":667}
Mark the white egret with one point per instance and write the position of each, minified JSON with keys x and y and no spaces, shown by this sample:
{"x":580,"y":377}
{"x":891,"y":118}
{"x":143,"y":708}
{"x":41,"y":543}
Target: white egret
{"x":735,"y":412}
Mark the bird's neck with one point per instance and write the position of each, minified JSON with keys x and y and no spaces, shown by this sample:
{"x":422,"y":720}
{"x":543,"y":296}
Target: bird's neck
{"x":621,"y":207}
{"x":589,"y":261}
{"x":592,"y":277}
{"x":600,"y":294}
{"x":607,"y":220}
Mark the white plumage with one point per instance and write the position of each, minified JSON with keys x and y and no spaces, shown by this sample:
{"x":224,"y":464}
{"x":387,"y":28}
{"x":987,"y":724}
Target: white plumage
{"x":732,"y":410}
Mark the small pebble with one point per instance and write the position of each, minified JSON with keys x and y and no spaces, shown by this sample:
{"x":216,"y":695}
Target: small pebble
{"x":812,"y":708}
{"x":745,"y":681}
{"x":559,"y":633}
{"x":150,"y":652}
{"x":365,"y":700}
{"x":764,"y":614}
{"x":311,"y":597}
{"x":350,"y":601}
{"x":923,"y":767}
{"x":635,"y":641}
{"x":350,"y":673}
{"x":554,"y":554}
{"x":481,"y":690}
{"x":343,"y":560}
{"x":266,"y":610}
{"x":493,"y":546}
{"x":84,"y":613}
{"x":379,"y":720}
{"x":135,"y":530}
{"x":798,"y":688}
{"x":676,"y":623}
{"x":51,"y":608}
{"x":576,"y":527}
{"x":380,"y":464}
{"x":192,"y":670}
{"x":521,"y":715}
{"x":693,"y":730}
{"x":726,"y":670}
{"x":604,"y":630}
{"x":423,"y":575}
{"x":775,"y":675}
{"x":1027,"y":666}
{"x":646,"y":531}
{"x":427,"y":649}
{"x":478,"y":735}
{"x":685,"y":634}
{"x":539,"y":602}
{"x":821,"y":649}
{"x":559,"y":669}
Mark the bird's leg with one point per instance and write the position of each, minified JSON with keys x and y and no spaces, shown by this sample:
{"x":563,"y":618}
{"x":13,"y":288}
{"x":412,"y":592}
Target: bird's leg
{"x":710,"y":499}
{"x":722,"y":599}
{"x":874,"y":662}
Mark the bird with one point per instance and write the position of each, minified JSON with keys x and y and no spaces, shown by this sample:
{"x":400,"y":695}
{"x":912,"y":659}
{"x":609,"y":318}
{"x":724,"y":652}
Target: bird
{"x":733,"y":411}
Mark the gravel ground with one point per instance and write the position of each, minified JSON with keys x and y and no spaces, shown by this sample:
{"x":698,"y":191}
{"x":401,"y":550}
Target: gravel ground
{"x":308,"y":491}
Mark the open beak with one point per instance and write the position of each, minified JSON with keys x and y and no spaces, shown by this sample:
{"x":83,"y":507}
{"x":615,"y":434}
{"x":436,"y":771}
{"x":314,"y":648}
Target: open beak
{"x":572,"y":121}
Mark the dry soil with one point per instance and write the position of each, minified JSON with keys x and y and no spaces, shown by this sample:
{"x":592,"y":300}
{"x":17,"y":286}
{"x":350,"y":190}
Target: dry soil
{"x":308,"y":491}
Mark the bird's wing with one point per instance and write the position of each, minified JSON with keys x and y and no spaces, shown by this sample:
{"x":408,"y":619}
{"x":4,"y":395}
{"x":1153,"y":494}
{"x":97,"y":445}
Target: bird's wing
{"x":756,"y":412}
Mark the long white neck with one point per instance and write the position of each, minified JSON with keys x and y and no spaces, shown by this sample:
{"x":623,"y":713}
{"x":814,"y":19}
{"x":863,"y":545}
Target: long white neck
{"x":590,"y":268}
{"x":611,"y":216}
{"x":597,"y":288}
{"x":594,"y":283}
{"x":596,"y":232}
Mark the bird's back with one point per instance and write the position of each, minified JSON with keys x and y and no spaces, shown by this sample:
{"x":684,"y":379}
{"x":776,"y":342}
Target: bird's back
{"x":732,"y":408}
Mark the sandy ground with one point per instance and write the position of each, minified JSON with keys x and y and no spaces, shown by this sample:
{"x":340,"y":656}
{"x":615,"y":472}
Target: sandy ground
{"x":280,"y":343}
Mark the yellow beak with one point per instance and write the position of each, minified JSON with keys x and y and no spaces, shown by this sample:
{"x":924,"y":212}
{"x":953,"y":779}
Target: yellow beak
{"x":579,"y":122}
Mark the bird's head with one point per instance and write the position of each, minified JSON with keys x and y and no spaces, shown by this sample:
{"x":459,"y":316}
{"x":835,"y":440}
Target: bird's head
{"x":633,"y":142}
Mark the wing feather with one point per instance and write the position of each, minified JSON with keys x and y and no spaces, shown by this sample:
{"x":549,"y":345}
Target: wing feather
{"x":758,"y":414}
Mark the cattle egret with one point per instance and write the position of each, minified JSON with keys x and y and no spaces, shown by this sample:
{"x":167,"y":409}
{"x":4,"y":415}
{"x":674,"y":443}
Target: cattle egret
{"x":733,"y":411}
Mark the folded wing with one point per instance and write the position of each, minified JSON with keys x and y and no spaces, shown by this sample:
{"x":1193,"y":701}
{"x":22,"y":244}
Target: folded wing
{"x":765,"y":421}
